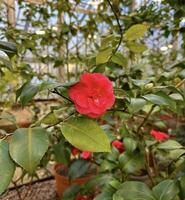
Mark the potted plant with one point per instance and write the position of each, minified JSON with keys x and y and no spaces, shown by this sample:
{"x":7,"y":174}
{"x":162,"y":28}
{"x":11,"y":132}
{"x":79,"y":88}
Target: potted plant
{"x":74,"y":167}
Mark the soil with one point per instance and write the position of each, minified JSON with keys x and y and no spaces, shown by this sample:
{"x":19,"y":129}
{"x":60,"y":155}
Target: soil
{"x":38,"y":191}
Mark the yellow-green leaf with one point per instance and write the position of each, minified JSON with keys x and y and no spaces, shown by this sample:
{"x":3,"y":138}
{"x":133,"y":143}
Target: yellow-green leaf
{"x":135,"y":32}
{"x":86,"y":135}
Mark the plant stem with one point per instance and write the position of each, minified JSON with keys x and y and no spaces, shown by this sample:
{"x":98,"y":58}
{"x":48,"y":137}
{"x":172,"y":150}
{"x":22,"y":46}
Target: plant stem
{"x":147,"y":164}
{"x":145,"y":119}
{"x":60,"y":121}
{"x":120,"y":29}
{"x":17,"y":190}
{"x":55,"y":91}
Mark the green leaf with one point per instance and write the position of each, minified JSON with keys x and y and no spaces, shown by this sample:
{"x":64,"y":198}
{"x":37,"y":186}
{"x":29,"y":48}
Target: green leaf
{"x":140,"y":83}
{"x":181,"y":187}
{"x":106,"y":194}
{"x":5,"y":62}
{"x":170,"y":144}
{"x":103,"y":56}
{"x":131,"y":163}
{"x":132,"y":190}
{"x":130,"y":144}
{"x":71,"y":192}
{"x":27,"y":92}
{"x":8,"y":47}
{"x":166,"y":190}
{"x":78,"y":169}
{"x":61,"y":153}
{"x":7,"y":166}
{"x":135,"y":32}
{"x":136,"y":104}
{"x":85,"y":134}
{"x":107,"y":166}
{"x":119,"y":59}
{"x":50,"y":118}
{"x":107,"y":40}
{"x":136,"y":47}
{"x":161,"y":99}
{"x":98,"y":180}
{"x":28,"y":146}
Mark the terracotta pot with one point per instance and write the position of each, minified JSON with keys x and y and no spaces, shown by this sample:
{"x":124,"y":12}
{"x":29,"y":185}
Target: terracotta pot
{"x":63,"y":182}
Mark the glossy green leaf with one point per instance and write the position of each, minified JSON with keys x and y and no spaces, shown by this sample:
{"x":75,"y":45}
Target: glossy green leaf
{"x":8,"y":47}
{"x":169,"y":144}
{"x":161,"y":99}
{"x":5,"y":63}
{"x":166,"y":190}
{"x":106,"y":194}
{"x":28,"y":146}
{"x":71,"y":192}
{"x":27,"y":92}
{"x":135,"y":32}
{"x":85,"y":134}
{"x":131,"y":163}
{"x":132,"y":190}
{"x":130,"y":144}
{"x":119,"y":59}
{"x":61,"y":153}
{"x":136,"y":47}
{"x":103,"y":56}
{"x":7,"y":166}
{"x":136,"y":104}
{"x":50,"y":118}
{"x":78,"y":169}
{"x":181,"y":187}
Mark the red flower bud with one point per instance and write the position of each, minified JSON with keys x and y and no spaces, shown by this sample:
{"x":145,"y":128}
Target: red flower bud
{"x":75,"y":151}
{"x":118,"y":145}
{"x":86,"y":155}
{"x":159,"y":136}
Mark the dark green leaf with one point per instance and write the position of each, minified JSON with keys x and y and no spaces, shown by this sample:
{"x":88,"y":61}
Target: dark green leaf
{"x":78,"y":169}
{"x":166,"y":190}
{"x":7,"y":166}
{"x":28,"y":146}
{"x":131,"y":190}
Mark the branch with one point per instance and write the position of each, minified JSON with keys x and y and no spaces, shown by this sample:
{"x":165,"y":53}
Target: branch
{"x":55,"y":91}
{"x":145,"y":119}
{"x":120,"y":28}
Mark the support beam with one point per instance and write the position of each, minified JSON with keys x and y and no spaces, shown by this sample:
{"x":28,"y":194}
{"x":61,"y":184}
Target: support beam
{"x":36,"y":1}
{"x":11,"y":17}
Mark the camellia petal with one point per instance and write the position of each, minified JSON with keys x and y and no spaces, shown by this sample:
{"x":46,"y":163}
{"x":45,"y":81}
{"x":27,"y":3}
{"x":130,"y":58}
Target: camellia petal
{"x":92,"y":95}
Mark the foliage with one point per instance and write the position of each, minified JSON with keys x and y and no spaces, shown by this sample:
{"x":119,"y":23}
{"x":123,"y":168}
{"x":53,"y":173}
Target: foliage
{"x":148,"y":86}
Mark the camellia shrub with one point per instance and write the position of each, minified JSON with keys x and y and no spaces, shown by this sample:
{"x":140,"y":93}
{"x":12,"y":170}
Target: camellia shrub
{"x":120,"y":115}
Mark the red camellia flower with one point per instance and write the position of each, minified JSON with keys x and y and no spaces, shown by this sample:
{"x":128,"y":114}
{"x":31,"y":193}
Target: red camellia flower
{"x":75,"y":151}
{"x":86,"y":155}
{"x":81,"y":197}
{"x":118,"y":145}
{"x":159,"y":136}
{"x":92,"y":95}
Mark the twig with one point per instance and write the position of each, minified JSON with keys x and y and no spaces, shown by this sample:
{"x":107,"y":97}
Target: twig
{"x":145,"y":119}
{"x":55,"y":91}
{"x":17,"y":190}
{"x":120,"y":28}
{"x":60,"y":121}
{"x":147,"y":164}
